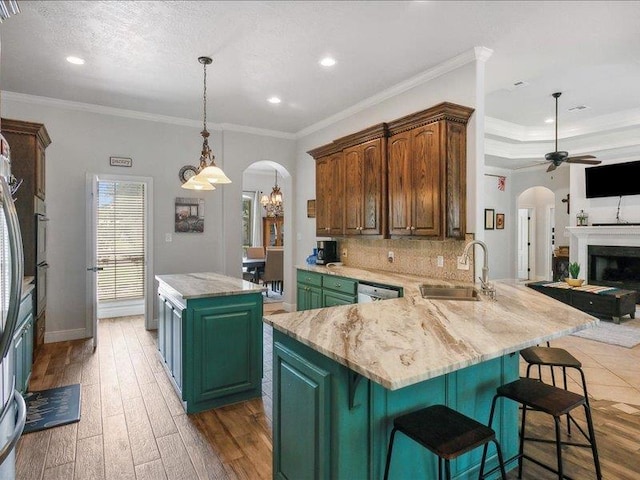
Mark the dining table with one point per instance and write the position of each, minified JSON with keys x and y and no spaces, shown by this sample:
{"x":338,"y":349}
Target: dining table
{"x":253,"y":265}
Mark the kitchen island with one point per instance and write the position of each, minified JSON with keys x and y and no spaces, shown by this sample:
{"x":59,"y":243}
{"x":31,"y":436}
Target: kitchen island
{"x":345,"y":373}
{"x":210,"y":338}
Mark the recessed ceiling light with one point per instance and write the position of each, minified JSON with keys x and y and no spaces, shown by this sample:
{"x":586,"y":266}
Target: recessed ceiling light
{"x":75,"y":60}
{"x":549,"y":120}
{"x":328,"y":62}
{"x":274,"y":100}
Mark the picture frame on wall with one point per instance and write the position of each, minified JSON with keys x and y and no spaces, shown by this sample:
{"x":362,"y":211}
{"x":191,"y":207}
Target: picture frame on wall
{"x":499,"y":221}
{"x":489,"y":222}
{"x":311,"y":208}
{"x":189,"y":215}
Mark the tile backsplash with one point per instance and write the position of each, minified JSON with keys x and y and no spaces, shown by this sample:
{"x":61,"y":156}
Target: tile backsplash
{"x":416,"y":257}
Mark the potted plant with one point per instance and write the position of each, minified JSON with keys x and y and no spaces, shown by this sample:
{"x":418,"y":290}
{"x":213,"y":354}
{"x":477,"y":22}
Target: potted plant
{"x":574,"y":271}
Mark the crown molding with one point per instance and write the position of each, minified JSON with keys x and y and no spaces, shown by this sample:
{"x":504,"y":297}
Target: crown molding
{"x":597,"y":125}
{"x":434,"y":72}
{"x":136,"y":115}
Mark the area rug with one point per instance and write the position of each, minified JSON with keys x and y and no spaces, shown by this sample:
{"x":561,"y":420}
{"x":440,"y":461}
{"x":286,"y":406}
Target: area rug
{"x":627,"y":334}
{"x":52,"y":408}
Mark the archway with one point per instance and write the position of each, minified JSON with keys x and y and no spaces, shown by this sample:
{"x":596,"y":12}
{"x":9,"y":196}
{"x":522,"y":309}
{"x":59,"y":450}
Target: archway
{"x":535,"y":233}
{"x":263,"y":229}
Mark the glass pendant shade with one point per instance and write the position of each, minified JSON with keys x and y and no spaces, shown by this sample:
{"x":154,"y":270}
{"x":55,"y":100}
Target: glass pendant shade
{"x":213,"y":174}
{"x":195,"y":183}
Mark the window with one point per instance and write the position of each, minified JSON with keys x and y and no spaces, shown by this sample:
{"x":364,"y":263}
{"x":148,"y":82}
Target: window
{"x":121,"y":242}
{"x":247,"y":220}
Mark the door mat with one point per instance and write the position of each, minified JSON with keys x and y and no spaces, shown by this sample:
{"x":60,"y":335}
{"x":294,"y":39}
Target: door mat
{"x":52,"y":408}
{"x":627,"y":334}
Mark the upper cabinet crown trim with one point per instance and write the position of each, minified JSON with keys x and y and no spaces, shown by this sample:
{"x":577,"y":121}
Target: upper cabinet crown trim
{"x":27,"y":128}
{"x":443,"y":111}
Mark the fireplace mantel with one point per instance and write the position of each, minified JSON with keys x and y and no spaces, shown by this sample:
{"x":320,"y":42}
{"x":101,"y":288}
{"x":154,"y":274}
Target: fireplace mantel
{"x":613,"y":235}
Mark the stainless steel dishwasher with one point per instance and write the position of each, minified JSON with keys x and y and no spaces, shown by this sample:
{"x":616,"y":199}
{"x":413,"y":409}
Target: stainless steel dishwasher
{"x":371,"y":292}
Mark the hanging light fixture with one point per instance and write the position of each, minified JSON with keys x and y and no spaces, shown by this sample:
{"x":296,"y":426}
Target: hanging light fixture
{"x":273,"y":202}
{"x":208,"y":172}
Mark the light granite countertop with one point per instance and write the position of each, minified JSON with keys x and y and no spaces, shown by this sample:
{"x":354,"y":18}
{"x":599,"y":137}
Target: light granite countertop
{"x":207,"y":284}
{"x":27,"y":286}
{"x":404,"y":341}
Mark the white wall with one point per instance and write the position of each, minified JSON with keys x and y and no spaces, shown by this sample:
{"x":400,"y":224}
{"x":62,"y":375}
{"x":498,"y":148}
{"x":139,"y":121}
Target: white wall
{"x":601,"y":210}
{"x":499,"y":242}
{"x":83,"y":142}
{"x":457,"y":86}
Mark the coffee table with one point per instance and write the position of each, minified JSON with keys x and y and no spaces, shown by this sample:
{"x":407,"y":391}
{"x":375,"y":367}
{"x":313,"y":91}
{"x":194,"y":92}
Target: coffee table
{"x":614,"y":302}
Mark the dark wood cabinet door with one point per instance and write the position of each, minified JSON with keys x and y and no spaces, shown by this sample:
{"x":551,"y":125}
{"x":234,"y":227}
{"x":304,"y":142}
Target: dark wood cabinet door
{"x":330,"y":193}
{"x":400,"y":188}
{"x":372,"y":187}
{"x":426,"y":181}
{"x":353,"y":196}
{"x":456,"y":180}
{"x":40,"y":171}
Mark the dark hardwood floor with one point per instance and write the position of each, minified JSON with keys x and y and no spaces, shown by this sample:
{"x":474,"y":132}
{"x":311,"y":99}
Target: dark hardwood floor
{"x":133,"y":426}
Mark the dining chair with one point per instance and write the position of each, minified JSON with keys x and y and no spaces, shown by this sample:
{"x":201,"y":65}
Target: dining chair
{"x":273,"y":269}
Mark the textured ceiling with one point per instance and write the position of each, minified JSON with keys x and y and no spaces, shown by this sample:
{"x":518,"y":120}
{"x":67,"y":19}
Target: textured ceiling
{"x":143,"y":55}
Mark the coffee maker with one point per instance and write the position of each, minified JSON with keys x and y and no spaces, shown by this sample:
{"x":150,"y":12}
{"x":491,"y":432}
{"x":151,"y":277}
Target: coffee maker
{"x":327,"y":252}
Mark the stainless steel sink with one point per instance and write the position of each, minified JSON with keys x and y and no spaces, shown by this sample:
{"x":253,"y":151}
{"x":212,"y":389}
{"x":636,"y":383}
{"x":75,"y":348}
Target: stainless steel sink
{"x":447,"y":292}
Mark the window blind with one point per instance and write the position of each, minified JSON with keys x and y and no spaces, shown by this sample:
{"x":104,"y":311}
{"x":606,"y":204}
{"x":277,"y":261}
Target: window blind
{"x":121,"y":242}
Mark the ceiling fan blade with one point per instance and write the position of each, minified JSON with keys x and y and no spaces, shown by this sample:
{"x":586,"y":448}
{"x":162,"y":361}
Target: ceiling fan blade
{"x":581,"y":157}
{"x":552,"y":167}
{"x":584,"y":161}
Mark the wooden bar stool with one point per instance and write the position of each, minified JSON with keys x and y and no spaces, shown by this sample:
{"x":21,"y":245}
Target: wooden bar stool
{"x":554,"y":401}
{"x":554,"y":357}
{"x":444,"y":432}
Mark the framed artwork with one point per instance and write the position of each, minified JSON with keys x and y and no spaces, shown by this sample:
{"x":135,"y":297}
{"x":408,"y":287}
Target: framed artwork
{"x":311,"y":208}
{"x":189,"y":215}
{"x":499,"y":221}
{"x":488,"y":218}
{"x":120,"y":162}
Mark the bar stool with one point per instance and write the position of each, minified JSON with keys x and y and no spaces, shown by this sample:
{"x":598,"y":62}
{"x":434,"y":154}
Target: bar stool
{"x":446,"y":433}
{"x":554,"y":357}
{"x":554,"y":401}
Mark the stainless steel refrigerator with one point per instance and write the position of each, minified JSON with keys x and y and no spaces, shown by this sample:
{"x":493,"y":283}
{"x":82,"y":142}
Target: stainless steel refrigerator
{"x":12,"y":406}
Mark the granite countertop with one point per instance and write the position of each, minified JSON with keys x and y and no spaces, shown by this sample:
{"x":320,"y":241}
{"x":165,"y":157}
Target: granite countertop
{"x":207,"y":284}
{"x":404,"y":341}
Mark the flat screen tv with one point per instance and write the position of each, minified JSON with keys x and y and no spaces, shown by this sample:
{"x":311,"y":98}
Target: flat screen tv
{"x":613,"y":180}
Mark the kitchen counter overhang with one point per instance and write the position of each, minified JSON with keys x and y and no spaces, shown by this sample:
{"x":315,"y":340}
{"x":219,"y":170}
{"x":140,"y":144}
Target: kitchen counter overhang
{"x":401,"y":342}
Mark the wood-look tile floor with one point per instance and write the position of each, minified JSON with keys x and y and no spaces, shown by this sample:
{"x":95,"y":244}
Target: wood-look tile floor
{"x":133,"y":426}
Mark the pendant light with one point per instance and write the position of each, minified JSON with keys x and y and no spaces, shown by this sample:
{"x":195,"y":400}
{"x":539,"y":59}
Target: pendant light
{"x":273,"y":202}
{"x":208,"y":172}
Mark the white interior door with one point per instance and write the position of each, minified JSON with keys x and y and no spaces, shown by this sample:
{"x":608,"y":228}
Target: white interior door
{"x":91,"y":310}
{"x":523,"y":243}
{"x":92,"y":249}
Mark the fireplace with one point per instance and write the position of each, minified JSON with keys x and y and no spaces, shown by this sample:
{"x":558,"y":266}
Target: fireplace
{"x":614,"y":266}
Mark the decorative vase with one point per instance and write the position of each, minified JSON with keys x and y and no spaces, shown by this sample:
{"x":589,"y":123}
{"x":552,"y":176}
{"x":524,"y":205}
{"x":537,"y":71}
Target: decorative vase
{"x":574,"y":282}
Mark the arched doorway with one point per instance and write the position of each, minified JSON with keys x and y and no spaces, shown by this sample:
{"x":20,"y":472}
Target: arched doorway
{"x":262,"y":226}
{"x":535,"y":233}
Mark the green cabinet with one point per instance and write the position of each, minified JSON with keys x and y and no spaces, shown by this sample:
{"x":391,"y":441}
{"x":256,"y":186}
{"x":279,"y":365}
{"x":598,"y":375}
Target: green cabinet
{"x":347,"y":419}
{"x":211,"y":347}
{"x":23,"y":344}
{"x":316,"y":290}
{"x":303,"y":399}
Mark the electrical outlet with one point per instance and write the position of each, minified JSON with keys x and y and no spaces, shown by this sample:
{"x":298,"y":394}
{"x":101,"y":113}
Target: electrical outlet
{"x":440,"y":261}
{"x":462,"y":265}
{"x":344,"y":253}
{"x":168,"y":238}
{"x":391,"y":257}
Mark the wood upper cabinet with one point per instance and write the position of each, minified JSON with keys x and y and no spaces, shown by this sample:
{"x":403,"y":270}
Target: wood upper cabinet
{"x":415,"y":177}
{"x":403,"y":178}
{"x":330,"y":195}
{"x":364,"y":180}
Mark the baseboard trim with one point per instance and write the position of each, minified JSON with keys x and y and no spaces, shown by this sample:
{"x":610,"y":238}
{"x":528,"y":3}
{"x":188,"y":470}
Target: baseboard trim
{"x":64,"y":335}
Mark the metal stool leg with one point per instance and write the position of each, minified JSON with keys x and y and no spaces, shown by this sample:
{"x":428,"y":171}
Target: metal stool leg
{"x":447,"y":468}
{"x":558,"y":448}
{"x":386,"y":467}
{"x":521,"y":447}
{"x":592,"y":440}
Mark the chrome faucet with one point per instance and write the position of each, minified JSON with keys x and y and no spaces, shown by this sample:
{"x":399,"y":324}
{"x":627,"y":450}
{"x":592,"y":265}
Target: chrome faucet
{"x":486,"y":287}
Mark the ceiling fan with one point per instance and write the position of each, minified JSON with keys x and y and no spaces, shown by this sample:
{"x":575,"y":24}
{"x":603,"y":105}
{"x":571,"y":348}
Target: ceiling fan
{"x":556,"y":158}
